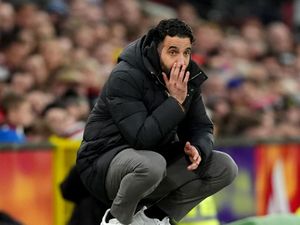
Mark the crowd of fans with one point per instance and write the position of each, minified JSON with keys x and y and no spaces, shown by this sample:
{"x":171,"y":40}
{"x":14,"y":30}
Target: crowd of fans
{"x":54,"y":61}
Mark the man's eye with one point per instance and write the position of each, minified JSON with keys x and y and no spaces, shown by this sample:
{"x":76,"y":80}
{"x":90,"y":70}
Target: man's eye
{"x":187,"y":53}
{"x":172,"y":53}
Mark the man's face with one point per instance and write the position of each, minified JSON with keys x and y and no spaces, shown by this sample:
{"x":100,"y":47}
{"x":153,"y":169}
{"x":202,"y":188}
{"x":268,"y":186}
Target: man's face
{"x":174,"y":50}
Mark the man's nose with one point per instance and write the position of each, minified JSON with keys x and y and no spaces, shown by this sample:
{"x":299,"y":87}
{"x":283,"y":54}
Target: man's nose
{"x":180,"y":59}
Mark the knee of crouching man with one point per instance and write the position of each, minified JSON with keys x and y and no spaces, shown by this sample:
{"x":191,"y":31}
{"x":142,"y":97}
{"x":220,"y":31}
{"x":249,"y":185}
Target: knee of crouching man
{"x":155,"y":170}
{"x":231,"y":170}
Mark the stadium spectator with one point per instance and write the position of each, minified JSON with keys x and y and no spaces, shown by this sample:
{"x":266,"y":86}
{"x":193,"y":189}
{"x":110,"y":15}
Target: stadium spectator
{"x":62,"y":123}
{"x":18,"y":115}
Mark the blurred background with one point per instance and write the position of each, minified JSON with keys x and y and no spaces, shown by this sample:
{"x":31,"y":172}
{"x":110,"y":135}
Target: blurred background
{"x":55,"y":56}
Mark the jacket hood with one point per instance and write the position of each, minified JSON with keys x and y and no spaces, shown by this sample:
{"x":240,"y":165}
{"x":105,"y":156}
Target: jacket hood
{"x":141,"y":52}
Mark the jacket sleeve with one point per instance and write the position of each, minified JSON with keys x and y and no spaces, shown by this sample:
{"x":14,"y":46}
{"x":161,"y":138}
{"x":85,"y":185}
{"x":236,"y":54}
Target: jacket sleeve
{"x":140,"y":128}
{"x":198,"y":128}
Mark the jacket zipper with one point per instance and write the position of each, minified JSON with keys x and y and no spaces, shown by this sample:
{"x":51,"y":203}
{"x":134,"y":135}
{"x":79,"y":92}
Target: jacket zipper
{"x":196,"y":75}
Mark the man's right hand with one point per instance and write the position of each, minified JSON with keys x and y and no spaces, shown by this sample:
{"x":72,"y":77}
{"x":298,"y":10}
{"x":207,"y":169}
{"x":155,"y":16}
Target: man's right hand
{"x":177,"y":84}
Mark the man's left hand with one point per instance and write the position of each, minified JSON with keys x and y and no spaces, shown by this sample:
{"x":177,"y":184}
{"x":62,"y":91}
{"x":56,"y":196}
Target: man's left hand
{"x":193,"y":154}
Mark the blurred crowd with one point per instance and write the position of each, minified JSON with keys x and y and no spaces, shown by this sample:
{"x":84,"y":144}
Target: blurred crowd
{"x":56,"y":56}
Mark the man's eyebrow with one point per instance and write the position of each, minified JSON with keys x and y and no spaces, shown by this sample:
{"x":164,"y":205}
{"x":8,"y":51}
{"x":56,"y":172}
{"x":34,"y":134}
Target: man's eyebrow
{"x":176,"y":48}
{"x":172,"y":47}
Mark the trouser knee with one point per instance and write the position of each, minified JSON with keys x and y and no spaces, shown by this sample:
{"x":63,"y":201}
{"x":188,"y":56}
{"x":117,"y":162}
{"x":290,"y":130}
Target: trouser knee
{"x":231,"y":169}
{"x":154,"y":171}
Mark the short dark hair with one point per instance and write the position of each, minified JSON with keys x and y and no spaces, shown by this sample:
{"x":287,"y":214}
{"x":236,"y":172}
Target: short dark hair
{"x":12,"y":101}
{"x":172,"y":27}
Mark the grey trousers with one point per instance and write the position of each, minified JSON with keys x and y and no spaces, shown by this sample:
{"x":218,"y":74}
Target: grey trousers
{"x":142,"y":177}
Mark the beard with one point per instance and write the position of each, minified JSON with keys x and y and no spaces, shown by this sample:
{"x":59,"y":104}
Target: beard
{"x":165,"y":69}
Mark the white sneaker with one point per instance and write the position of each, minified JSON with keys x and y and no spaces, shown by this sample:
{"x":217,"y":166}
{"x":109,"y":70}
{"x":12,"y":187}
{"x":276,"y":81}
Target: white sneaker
{"x":111,"y":221}
{"x":165,"y":221}
{"x":141,"y":219}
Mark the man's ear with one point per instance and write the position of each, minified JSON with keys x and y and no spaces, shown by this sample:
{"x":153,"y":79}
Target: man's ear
{"x":159,"y":48}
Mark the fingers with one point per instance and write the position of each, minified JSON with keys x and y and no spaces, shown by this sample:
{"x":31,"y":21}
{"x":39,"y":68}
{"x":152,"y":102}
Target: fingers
{"x":174,"y":72}
{"x":193,"y":166}
{"x":187,"y":146}
{"x":195,"y":163}
{"x":181,"y":74}
{"x":187,"y":77}
{"x":178,"y":73}
{"x":176,"y":83}
{"x":198,"y":160}
{"x":165,"y":77}
{"x":177,"y":68}
{"x":194,"y":156}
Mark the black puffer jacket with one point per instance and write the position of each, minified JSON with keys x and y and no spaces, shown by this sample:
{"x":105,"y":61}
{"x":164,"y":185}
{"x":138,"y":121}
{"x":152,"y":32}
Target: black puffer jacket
{"x":135,"y":110}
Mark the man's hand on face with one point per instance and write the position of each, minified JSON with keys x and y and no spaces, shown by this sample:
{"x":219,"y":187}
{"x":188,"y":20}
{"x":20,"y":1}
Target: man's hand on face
{"x":177,"y":84}
{"x":194,"y":156}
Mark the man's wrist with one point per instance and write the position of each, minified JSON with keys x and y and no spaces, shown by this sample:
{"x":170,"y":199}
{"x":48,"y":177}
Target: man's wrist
{"x":178,"y":102}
